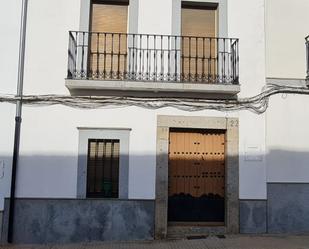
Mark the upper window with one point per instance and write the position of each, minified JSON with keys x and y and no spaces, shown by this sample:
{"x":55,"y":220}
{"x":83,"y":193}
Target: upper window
{"x":199,"y":55}
{"x":109,"y":16}
{"x":108,"y":49}
{"x":103,"y":168}
{"x":199,"y":19}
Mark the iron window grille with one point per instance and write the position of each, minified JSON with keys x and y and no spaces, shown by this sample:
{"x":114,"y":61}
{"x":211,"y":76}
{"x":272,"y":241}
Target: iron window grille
{"x":145,"y":57}
{"x":103,"y":168}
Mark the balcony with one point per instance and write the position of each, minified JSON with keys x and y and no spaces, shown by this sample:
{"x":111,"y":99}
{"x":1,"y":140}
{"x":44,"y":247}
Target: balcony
{"x":307,"y":53}
{"x":165,"y":65}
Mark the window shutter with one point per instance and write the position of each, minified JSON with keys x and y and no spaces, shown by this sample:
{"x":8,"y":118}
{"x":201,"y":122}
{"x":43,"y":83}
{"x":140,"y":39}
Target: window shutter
{"x":108,"y":51}
{"x":109,"y":18}
{"x":103,"y":168}
{"x":199,"y":23}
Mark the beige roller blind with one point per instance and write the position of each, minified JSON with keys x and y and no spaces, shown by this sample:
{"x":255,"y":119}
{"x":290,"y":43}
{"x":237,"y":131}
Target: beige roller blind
{"x":200,"y":23}
{"x":108,"y":51}
{"x":109,"y":18}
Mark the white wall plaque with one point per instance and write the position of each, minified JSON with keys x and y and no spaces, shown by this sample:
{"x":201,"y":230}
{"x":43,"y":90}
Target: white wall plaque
{"x":253,"y":153}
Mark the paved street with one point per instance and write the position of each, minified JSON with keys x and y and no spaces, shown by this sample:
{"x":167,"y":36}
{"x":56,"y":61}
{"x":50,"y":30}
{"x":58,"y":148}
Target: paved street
{"x":230,"y":242}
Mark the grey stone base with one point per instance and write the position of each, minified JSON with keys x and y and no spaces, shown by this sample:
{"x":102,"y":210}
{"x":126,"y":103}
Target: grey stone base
{"x":288,"y":208}
{"x":39,"y":221}
{"x":1,"y":222}
{"x":253,"y":216}
{"x":284,"y":212}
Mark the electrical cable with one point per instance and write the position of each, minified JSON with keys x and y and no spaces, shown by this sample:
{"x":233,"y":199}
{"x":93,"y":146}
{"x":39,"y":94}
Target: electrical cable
{"x":257,"y":104}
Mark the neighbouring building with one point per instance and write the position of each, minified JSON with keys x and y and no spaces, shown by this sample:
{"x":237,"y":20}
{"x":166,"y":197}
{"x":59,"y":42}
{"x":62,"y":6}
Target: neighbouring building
{"x":126,"y":169}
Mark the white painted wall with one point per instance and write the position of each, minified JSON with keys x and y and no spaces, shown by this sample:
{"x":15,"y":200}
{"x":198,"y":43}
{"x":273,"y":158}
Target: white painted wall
{"x":47,"y":44}
{"x":287,"y":139}
{"x":49,"y":141}
{"x":51,"y":162}
{"x":155,"y":17}
{"x":9,"y":26}
{"x":246,"y":22}
{"x":286,"y":27}
{"x":287,"y":116}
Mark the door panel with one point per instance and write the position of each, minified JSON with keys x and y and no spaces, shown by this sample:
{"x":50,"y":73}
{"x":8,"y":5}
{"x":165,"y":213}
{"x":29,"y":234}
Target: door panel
{"x":196,"y":176}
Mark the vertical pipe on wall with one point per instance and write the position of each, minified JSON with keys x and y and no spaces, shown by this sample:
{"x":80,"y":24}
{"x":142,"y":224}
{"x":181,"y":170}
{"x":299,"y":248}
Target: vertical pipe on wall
{"x":20,"y":81}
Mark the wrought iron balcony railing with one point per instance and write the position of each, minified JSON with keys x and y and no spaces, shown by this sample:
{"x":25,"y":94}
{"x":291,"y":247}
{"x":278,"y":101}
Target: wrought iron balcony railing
{"x":144,"y":57}
{"x":307,"y":56}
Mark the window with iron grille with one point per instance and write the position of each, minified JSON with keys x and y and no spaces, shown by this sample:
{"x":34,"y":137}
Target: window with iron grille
{"x":103,"y":168}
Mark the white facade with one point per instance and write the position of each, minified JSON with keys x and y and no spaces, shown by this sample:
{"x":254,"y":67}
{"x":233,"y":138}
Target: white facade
{"x":9,"y":49}
{"x":287,"y":117}
{"x":49,"y":135}
{"x":285,"y":32}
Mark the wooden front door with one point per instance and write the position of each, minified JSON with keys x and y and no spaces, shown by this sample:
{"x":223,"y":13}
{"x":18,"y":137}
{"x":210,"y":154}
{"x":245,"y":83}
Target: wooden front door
{"x":196,"y":176}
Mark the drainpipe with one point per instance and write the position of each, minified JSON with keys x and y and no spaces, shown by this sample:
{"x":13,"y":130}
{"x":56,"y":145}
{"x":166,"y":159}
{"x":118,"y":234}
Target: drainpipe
{"x":20,"y":81}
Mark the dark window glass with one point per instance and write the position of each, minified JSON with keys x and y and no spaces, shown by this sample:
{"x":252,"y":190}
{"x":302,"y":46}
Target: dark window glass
{"x":103,"y":168}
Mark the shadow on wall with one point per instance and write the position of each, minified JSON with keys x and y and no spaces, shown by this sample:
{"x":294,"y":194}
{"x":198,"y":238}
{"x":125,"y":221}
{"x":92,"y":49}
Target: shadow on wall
{"x":1,"y":219}
{"x":291,"y":166}
{"x":56,"y":176}
{"x":59,"y":220}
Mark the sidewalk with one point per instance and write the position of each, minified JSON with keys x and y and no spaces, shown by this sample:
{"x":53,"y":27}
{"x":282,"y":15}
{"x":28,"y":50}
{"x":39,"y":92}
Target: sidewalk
{"x":230,"y":242}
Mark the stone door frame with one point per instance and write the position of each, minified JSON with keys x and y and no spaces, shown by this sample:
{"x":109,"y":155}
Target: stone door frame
{"x":231,"y":127}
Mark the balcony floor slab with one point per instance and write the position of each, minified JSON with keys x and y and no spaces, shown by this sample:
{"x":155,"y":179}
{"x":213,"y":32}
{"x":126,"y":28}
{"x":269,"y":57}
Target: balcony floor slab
{"x":151,"y":89}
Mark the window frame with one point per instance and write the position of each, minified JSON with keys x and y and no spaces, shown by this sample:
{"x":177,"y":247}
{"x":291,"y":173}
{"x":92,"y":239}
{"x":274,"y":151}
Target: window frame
{"x":199,"y":5}
{"x":121,"y":134}
{"x":111,"y":2}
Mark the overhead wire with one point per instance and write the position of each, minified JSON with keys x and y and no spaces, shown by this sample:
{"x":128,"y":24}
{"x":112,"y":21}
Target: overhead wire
{"x":257,"y":104}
